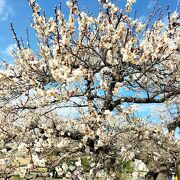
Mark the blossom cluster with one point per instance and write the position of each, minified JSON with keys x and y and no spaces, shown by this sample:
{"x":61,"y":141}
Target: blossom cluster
{"x":98,"y":69}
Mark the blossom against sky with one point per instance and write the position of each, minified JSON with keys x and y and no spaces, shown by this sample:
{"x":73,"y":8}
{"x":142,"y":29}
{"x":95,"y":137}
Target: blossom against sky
{"x":19,"y":12}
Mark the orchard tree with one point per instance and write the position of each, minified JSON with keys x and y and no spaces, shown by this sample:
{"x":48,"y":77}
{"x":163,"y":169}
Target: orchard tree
{"x":98,"y":69}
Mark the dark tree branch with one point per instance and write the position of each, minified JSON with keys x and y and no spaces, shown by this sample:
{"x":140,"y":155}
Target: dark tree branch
{"x":144,"y":100}
{"x":175,"y":124}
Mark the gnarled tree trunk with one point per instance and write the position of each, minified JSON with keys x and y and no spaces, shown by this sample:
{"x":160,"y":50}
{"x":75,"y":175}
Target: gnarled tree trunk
{"x":151,"y":176}
{"x":163,"y":175}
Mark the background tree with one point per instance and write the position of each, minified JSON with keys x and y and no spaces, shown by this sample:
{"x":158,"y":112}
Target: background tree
{"x":102,"y":67}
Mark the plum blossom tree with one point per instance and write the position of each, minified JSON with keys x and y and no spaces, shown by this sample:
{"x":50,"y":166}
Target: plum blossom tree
{"x":101,"y":67}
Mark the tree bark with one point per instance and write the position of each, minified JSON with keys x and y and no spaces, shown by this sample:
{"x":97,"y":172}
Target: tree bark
{"x":150,"y":176}
{"x":162,"y":176}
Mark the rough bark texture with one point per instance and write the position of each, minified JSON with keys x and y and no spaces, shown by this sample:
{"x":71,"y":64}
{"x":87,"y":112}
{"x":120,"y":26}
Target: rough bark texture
{"x":150,"y":176}
{"x":162,"y":176}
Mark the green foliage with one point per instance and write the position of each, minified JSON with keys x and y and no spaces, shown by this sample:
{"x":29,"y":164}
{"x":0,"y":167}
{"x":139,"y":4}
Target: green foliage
{"x":124,"y":166}
{"x":69,"y":161}
{"x":86,"y":160}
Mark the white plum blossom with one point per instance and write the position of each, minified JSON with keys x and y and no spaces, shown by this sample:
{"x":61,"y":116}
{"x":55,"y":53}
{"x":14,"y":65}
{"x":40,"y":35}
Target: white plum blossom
{"x":74,"y":104}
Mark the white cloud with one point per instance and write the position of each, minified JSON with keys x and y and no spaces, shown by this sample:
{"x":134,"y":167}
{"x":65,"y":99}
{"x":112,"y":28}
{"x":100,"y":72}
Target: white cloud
{"x":5,"y":10}
{"x":7,"y":52}
{"x":9,"y":49}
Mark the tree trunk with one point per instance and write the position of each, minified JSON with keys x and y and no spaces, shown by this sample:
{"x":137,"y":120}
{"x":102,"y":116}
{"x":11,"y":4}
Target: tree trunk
{"x":150,"y":176}
{"x":162,"y":176}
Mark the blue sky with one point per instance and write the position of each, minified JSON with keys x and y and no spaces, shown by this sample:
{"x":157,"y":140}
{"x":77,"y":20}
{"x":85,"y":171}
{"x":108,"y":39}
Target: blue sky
{"x":19,"y":12}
